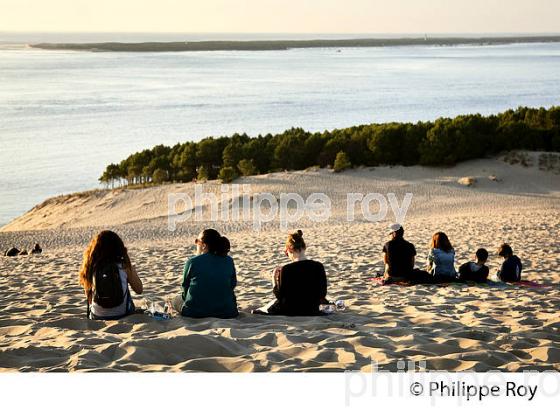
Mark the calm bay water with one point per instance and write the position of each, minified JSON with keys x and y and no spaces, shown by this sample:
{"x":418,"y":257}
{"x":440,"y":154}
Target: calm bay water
{"x":65,"y":115}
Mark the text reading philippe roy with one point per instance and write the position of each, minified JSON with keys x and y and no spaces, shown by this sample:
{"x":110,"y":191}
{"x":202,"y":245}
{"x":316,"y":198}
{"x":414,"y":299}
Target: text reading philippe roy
{"x":479,"y":392}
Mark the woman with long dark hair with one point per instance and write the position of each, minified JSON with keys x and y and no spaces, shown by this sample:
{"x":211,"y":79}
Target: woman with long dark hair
{"x":209,"y":279}
{"x":441,"y":259}
{"x":105,"y":275}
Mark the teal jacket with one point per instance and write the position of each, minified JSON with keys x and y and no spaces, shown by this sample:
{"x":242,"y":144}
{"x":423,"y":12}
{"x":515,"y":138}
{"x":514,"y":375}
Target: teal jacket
{"x":208,"y":287}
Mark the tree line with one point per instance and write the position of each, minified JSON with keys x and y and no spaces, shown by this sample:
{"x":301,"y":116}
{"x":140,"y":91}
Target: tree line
{"x":443,"y":142}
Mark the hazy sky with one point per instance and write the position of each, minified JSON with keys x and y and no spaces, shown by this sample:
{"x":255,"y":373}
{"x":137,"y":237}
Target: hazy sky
{"x":282,"y":16}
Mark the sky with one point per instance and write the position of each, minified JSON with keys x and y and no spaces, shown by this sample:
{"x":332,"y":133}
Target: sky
{"x":282,"y":16}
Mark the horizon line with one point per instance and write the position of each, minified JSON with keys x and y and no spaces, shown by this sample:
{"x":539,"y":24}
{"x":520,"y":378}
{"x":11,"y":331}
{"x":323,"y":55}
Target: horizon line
{"x":282,"y":32}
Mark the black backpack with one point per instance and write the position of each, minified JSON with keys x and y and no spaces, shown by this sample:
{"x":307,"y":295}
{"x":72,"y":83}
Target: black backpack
{"x":107,"y":286}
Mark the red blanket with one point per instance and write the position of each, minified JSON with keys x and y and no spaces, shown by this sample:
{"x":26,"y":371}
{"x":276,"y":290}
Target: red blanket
{"x":378,"y":281}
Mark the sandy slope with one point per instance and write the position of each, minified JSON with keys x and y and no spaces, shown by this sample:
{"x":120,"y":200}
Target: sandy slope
{"x":515,"y":184}
{"x":457,"y":327}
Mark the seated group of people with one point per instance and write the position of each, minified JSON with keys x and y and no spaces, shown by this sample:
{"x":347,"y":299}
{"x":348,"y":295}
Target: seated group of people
{"x":209,"y":280}
{"x":299,"y":287}
{"x":17,"y":252}
{"x":399,"y":257}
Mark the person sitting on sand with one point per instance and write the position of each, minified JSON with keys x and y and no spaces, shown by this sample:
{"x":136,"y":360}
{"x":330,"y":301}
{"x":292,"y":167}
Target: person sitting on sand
{"x":105,"y":275}
{"x":209,"y":280}
{"x":511,"y":267}
{"x":476,"y":270}
{"x":398,"y":256}
{"x":300,"y":287}
{"x":441,"y":259}
{"x":37,"y":249}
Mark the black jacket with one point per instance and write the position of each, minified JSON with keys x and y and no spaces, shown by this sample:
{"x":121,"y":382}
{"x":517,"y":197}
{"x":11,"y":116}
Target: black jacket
{"x":300,"y":288}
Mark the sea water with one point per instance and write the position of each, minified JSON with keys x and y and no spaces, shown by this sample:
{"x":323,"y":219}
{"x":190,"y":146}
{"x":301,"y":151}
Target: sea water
{"x":65,"y":115}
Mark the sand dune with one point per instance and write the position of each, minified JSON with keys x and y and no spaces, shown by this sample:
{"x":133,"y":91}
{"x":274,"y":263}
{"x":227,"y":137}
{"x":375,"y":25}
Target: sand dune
{"x":497,"y":184}
{"x":456,"y":327}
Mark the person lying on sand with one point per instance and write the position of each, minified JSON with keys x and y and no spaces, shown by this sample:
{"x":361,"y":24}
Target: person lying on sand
{"x":209,"y":280}
{"x":105,"y":275}
{"x":476,"y":270}
{"x":441,"y":259}
{"x":300,"y":287}
{"x":511,"y":267}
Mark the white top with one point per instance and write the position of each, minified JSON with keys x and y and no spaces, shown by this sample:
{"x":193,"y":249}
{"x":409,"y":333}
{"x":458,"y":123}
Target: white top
{"x":118,"y":310}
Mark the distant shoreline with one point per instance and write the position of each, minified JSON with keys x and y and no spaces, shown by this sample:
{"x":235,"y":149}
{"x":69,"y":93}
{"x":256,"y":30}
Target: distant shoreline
{"x":264,"y":45}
